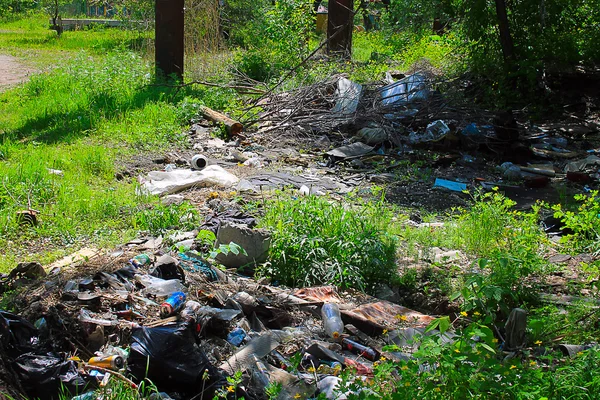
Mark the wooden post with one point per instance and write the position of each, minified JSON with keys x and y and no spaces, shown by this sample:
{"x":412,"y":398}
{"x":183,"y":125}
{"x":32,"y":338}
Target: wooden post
{"x":340,"y":17}
{"x":169,"y":37}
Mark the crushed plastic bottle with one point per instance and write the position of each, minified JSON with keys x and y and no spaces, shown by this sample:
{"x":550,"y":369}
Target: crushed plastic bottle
{"x":159,"y":287}
{"x":86,"y":316}
{"x":332,"y":320}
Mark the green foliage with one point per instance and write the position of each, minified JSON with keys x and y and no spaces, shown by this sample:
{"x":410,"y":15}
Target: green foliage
{"x":277,"y":40}
{"x":583,"y":222}
{"x":320,"y":241}
{"x":471,"y":367}
{"x":496,"y":286}
{"x":160,"y":218}
{"x":550,"y":323}
{"x":14,"y":8}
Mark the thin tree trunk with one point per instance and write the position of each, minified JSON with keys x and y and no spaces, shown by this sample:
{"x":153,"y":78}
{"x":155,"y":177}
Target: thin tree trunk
{"x":506,"y":40}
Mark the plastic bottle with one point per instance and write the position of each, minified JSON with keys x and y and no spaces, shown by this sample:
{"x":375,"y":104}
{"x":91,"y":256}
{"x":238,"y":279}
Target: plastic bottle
{"x":140,"y":260}
{"x":172,"y":304}
{"x":260,"y":373}
{"x":159,"y":287}
{"x":332,"y":320}
{"x":357,"y":348}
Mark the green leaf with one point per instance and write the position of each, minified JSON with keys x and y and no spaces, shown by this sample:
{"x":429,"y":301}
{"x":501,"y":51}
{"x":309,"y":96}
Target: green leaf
{"x":444,"y":324}
{"x":432,"y":325}
{"x":234,"y":248}
{"x":488,"y":348}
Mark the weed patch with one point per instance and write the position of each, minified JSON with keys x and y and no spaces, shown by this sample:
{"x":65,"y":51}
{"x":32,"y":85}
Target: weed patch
{"x":320,"y":241}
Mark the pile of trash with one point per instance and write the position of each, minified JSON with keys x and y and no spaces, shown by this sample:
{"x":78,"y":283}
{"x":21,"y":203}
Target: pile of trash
{"x":185,"y":325}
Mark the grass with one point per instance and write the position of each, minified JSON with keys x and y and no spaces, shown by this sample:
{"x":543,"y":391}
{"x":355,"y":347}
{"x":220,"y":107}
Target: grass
{"x":30,"y":38}
{"x":86,"y":117}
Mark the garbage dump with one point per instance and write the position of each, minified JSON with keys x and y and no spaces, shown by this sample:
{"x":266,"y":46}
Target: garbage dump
{"x":150,"y":317}
{"x":149,"y":313}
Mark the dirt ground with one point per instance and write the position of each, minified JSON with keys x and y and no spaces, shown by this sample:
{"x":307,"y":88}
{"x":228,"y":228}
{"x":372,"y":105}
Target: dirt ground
{"x":12,"y":72}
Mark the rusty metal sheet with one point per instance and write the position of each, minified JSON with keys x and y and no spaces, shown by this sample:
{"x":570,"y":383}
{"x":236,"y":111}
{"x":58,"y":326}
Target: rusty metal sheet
{"x":326,"y":294}
{"x":373,"y":318}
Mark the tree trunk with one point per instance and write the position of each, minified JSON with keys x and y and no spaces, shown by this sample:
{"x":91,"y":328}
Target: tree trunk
{"x":506,"y":40}
{"x":340,"y":16}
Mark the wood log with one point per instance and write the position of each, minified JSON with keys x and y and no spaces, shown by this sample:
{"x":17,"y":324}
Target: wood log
{"x":233,"y":127}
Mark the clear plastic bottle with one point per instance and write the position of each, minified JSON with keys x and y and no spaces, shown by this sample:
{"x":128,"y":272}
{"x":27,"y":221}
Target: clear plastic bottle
{"x":159,"y":287}
{"x":332,"y":320}
{"x":260,"y":373}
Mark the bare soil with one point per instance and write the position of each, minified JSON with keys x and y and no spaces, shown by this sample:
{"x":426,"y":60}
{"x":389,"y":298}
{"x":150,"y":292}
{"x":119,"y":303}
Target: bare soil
{"x":12,"y":72}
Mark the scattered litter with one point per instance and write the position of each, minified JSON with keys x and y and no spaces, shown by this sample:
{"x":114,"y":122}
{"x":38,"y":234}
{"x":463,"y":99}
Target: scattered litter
{"x":372,"y":134}
{"x":353,"y":150}
{"x":581,"y":165}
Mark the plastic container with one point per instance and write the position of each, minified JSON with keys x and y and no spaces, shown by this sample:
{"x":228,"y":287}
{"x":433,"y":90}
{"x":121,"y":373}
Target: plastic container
{"x":109,"y":362}
{"x":172,"y":304}
{"x":159,"y":287}
{"x":332,"y":320}
{"x":236,"y":336}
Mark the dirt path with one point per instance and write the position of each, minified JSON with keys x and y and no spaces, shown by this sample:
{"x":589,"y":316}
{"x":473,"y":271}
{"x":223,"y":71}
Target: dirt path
{"x":12,"y":72}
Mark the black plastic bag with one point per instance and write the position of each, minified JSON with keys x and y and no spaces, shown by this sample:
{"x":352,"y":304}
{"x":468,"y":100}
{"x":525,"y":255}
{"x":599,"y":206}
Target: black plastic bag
{"x":171,"y":359}
{"x":46,"y":376}
{"x":17,"y":334}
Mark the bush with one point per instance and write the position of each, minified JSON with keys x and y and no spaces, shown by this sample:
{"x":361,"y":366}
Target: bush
{"x":319,"y":241}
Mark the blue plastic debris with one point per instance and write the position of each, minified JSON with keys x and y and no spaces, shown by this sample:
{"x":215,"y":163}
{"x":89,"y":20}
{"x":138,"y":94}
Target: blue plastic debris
{"x":450,"y":185}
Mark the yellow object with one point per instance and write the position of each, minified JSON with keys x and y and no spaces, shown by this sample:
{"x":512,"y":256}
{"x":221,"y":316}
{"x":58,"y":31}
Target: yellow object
{"x":321,"y":22}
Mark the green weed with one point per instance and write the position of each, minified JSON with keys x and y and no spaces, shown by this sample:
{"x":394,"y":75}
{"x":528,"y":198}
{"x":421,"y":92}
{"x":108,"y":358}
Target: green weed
{"x":160,"y":218}
{"x":583,"y":222}
{"x":320,"y":241}
{"x":472,"y":367}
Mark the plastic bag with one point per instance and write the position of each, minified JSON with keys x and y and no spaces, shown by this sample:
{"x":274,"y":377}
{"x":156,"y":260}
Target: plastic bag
{"x":405,"y":91}
{"x":170,"y":358}
{"x":161,"y":182}
{"x":17,"y":334}
{"x":45,"y":376}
